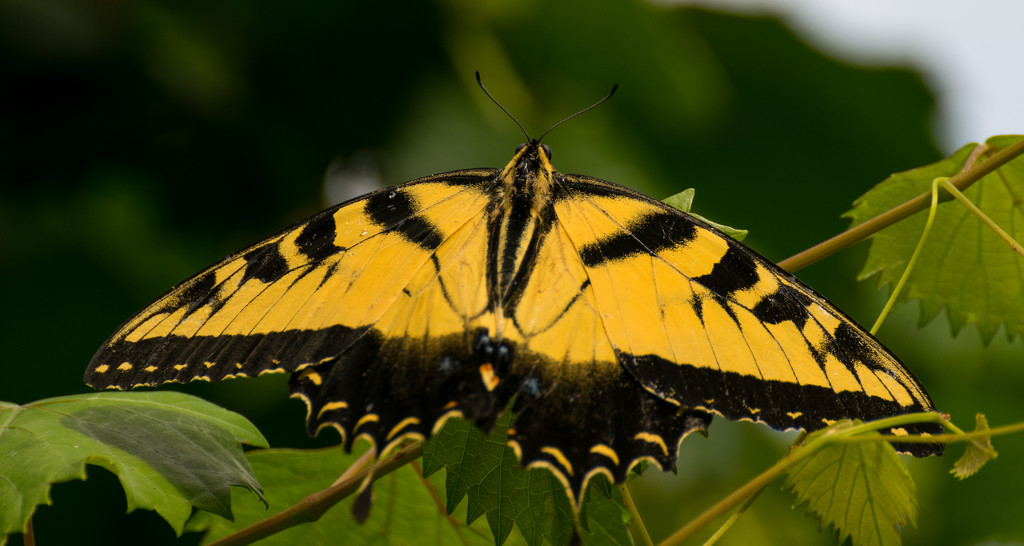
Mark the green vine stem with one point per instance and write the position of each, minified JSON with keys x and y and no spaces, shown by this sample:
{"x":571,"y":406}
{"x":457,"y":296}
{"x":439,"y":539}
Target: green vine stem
{"x":364,"y":460}
{"x":1014,"y":245}
{"x":636,"y":524}
{"x":733,"y":518}
{"x":961,"y":181}
{"x":314,"y":506}
{"x":913,"y":258}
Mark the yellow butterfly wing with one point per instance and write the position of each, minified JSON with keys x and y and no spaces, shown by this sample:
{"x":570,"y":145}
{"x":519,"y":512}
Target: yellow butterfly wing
{"x":704,"y":322}
{"x":404,"y":375}
{"x":297,"y":298}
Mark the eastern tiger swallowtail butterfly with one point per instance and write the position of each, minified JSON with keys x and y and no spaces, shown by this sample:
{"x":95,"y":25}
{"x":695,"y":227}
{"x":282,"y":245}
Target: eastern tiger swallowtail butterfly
{"x":618,"y":323}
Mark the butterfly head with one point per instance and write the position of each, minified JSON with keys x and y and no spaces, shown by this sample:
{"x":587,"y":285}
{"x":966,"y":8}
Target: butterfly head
{"x":531,"y":160}
{"x":544,"y":148}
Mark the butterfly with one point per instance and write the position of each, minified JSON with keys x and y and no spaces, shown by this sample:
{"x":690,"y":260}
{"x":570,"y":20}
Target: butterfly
{"x":611,"y":323}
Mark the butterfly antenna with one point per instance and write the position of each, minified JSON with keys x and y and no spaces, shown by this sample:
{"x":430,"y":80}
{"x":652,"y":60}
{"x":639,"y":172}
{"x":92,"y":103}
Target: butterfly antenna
{"x":595,"y":105}
{"x":503,"y":109}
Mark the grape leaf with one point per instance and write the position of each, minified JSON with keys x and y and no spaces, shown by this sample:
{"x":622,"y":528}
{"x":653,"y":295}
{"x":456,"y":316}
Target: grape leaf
{"x":170,"y":450}
{"x":405,"y":509}
{"x":487,"y":470}
{"x":604,"y":519}
{"x":484,"y":469}
{"x":964,"y":267}
{"x":862,"y":489}
{"x":977,"y":454}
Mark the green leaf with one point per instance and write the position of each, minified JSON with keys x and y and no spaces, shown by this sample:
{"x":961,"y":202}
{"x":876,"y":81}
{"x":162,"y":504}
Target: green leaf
{"x":861,"y":489}
{"x":604,"y":519}
{"x":978,"y":452}
{"x":487,"y":470}
{"x":684,"y":201}
{"x":964,"y":267}
{"x":448,"y":449}
{"x":406,"y":508}
{"x":171,"y":452}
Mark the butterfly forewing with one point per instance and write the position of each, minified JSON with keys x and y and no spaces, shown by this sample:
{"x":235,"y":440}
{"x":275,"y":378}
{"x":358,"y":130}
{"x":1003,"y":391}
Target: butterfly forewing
{"x":296,"y":298}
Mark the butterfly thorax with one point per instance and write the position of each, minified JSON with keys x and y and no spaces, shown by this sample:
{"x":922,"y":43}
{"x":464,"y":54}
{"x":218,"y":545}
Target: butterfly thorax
{"x":529,"y":173}
{"x":518,"y":224}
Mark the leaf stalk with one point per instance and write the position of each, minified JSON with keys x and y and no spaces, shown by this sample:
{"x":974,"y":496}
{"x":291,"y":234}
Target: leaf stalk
{"x":636,"y":524}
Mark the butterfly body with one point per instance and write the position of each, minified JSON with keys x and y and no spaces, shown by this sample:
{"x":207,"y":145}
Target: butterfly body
{"x":615,"y":324}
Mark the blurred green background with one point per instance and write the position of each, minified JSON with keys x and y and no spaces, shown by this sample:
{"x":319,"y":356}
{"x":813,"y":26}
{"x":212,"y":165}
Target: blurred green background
{"x":141,"y":141}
